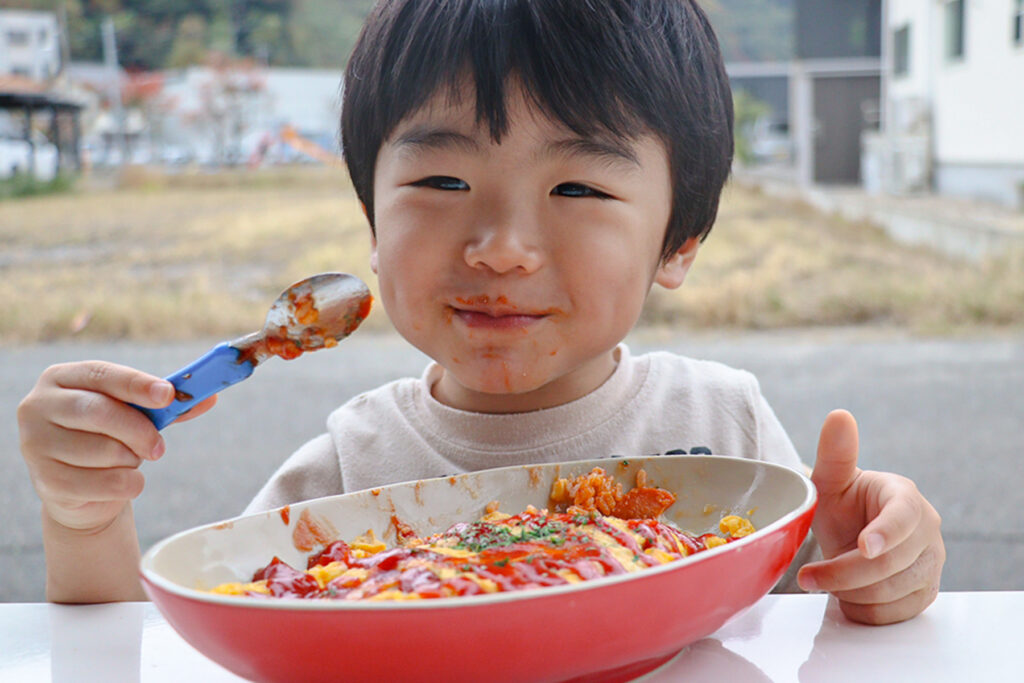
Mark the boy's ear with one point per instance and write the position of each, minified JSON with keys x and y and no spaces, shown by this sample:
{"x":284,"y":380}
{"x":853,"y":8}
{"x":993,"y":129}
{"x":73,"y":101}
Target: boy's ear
{"x":673,"y":270}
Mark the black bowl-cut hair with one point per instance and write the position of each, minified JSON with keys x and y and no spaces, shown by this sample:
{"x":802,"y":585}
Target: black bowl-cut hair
{"x":619,"y":67}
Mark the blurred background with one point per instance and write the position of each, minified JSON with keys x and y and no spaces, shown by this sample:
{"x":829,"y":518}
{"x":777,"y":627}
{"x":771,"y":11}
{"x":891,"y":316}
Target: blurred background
{"x":166,"y":168}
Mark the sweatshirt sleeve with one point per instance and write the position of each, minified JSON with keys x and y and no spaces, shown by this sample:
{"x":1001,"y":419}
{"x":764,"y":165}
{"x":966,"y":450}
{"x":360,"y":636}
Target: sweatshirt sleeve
{"x":311,"y":472}
{"x":773,"y":443}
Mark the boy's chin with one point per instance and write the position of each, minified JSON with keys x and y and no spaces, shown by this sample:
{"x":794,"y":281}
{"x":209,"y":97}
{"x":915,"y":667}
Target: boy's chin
{"x":504,"y":380}
{"x":504,"y":389}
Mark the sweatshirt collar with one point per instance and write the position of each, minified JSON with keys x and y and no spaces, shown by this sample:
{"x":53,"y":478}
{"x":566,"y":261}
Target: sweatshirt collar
{"x":531,"y":430}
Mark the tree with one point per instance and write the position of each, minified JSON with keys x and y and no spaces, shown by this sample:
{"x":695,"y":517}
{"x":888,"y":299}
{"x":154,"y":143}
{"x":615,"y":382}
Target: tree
{"x":190,"y":42}
{"x":324,"y":31}
{"x":753,"y":30}
{"x":229,"y":101}
{"x":155,"y":34}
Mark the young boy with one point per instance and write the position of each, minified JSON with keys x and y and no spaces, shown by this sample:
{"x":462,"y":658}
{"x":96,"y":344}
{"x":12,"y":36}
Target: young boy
{"x":529,"y":170}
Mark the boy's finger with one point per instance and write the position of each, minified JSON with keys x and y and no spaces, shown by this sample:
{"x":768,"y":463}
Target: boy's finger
{"x":75,"y":485}
{"x":836,"y":464}
{"x":891,"y":612}
{"x":919,"y":574}
{"x":895,"y":522}
{"x":118,"y":381}
{"x":851,"y":570}
{"x":198,"y":409}
{"x":84,"y":449}
{"x":89,"y":411}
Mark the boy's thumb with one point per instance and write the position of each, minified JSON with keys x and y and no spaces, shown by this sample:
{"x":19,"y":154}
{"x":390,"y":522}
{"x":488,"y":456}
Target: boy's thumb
{"x":836,"y":464}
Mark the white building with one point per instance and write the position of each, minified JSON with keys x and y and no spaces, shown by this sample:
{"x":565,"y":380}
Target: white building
{"x":230,"y":114}
{"x":29,"y":44}
{"x":214,"y":116}
{"x":954,"y":100}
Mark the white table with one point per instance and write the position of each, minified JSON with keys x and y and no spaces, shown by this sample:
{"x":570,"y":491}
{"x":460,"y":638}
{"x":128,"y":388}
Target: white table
{"x":974,"y":636}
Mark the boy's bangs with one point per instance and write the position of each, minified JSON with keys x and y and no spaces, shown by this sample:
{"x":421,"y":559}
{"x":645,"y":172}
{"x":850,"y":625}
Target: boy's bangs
{"x":498,"y":46}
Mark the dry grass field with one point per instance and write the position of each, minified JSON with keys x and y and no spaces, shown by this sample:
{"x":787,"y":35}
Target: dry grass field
{"x":203,"y":255}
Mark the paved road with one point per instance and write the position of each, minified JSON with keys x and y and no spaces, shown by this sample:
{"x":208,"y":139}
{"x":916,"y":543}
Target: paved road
{"x":946,"y":413}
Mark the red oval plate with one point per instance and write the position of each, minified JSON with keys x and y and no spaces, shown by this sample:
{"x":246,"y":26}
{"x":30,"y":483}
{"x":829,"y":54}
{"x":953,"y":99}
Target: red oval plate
{"x":608,"y":629}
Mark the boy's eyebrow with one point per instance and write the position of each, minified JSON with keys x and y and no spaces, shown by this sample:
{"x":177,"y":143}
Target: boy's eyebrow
{"x":429,"y":137}
{"x":606,"y":150}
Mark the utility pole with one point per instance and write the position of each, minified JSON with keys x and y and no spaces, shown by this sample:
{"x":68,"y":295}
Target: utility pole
{"x":65,"y":44}
{"x":238,"y":11}
{"x":114,"y":84}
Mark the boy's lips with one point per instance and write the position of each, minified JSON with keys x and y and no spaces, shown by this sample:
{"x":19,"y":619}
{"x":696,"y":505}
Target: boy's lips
{"x":483,"y":320}
{"x":483,"y":314}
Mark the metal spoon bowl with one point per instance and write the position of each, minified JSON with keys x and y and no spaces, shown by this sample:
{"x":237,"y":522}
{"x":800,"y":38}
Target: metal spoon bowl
{"x":312,"y":314}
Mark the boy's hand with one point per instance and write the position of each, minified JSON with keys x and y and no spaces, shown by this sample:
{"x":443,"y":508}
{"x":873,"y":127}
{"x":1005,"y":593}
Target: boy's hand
{"x":880,"y":537}
{"x":83,"y":445}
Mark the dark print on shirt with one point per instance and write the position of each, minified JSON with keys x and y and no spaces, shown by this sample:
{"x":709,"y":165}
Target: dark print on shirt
{"x":696,"y":450}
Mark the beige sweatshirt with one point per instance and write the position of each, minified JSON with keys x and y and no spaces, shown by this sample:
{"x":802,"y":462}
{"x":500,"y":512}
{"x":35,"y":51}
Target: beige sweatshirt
{"x":652,"y":404}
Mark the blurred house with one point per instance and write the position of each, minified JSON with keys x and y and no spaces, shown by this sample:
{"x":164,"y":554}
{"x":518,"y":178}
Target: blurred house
{"x":39,"y":120}
{"x":238,"y":114}
{"x":93,"y":83}
{"x":835,"y":84}
{"x":954,"y":101}
{"x":232,"y":112}
{"x":824,"y":98}
{"x":29,"y":44}
{"x":768,"y":84}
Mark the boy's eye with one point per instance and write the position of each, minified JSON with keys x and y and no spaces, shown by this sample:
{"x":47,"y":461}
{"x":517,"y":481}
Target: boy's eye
{"x":577,"y":190}
{"x":442,"y":182}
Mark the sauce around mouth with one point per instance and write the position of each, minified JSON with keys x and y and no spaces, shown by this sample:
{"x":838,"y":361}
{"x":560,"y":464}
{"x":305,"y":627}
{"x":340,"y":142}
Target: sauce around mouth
{"x":482,"y":312}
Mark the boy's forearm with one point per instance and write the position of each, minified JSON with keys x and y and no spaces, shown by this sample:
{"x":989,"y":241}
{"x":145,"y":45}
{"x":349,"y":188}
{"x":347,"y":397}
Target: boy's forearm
{"x":92,"y":567}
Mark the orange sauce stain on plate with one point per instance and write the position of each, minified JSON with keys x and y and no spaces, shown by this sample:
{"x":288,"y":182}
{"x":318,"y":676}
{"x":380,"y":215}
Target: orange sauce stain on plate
{"x":310,"y":533}
{"x":535,"y":477}
{"x":402,"y":530}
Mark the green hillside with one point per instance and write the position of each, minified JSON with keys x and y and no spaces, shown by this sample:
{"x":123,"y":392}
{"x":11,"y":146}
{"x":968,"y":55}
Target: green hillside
{"x":752,"y":30}
{"x":159,"y":34}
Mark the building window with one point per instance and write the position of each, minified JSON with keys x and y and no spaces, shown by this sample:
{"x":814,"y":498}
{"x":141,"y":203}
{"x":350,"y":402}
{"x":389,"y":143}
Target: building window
{"x":954,"y":29}
{"x":1018,"y":23}
{"x":17,"y":38}
{"x":901,"y":51}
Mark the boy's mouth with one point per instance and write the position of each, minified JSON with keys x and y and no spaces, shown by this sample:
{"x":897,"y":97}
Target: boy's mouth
{"x":483,"y":313}
{"x":485,"y":320}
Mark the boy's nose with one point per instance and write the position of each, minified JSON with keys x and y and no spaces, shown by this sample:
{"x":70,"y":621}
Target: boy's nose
{"x":505,"y":247}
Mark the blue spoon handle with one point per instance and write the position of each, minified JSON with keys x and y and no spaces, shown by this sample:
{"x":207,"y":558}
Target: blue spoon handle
{"x":199,"y":380}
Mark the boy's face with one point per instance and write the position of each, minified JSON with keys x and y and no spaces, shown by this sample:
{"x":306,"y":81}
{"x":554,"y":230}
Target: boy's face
{"x":518,"y":266}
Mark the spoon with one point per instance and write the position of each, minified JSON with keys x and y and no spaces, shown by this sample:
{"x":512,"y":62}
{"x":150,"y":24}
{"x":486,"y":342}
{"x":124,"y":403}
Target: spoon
{"x":315,"y":313}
